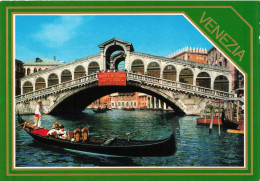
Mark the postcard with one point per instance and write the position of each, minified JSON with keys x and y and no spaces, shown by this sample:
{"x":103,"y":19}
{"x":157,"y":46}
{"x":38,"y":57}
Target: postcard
{"x":140,"y":89}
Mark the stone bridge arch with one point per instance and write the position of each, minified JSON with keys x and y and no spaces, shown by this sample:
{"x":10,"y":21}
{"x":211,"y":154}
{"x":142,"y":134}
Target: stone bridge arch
{"x":77,"y":100}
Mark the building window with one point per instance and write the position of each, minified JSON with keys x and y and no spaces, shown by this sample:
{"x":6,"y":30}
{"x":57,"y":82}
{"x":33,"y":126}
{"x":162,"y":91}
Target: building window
{"x":131,"y":103}
{"x":188,"y":57}
{"x":183,"y":58}
{"x":112,"y":104}
{"x":204,"y":59}
{"x":216,"y":56}
{"x":122,"y":97}
{"x":119,"y":103}
{"x":123,"y":104}
{"x":225,"y":61}
{"x":132,"y":97}
{"x":220,"y":63}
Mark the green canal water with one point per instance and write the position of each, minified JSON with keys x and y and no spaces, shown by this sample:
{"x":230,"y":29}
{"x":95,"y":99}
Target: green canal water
{"x":195,"y":146}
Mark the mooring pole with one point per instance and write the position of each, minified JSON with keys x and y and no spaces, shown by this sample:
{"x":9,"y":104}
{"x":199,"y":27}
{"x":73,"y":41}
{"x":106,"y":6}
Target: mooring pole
{"x":238,"y":111}
{"x":218,"y":119}
{"x":211,"y":118}
{"x":205,"y":114}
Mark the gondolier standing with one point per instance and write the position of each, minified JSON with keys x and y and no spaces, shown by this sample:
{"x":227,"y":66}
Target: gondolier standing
{"x":38,"y":113}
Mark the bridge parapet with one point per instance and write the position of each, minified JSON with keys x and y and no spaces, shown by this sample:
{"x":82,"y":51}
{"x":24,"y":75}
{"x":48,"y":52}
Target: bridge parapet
{"x":179,"y":86}
{"x":57,"y":88}
{"x":142,"y":79}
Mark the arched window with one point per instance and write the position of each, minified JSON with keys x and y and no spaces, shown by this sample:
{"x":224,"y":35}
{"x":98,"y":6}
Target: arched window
{"x":154,"y":69}
{"x":221,"y":83}
{"x":138,"y":66}
{"x":203,"y":80}
{"x":79,"y":72}
{"x":40,"y":69}
{"x":27,"y":87}
{"x":53,"y":80}
{"x":34,"y":70}
{"x":28,"y":71}
{"x":93,"y":67}
{"x":169,"y":73}
{"x":40,"y":83}
{"x":66,"y":76}
{"x":186,"y":76}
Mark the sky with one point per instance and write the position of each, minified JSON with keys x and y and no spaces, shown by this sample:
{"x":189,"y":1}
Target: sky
{"x":70,"y":37}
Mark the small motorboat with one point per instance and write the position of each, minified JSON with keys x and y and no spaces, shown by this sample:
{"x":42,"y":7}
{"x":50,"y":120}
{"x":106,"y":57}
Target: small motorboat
{"x":112,"y":146}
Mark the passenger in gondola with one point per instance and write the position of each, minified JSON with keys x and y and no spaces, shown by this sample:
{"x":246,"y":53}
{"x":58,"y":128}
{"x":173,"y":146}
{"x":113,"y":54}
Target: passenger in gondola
{"x":54,"y":130}
{"x":62,"y":133}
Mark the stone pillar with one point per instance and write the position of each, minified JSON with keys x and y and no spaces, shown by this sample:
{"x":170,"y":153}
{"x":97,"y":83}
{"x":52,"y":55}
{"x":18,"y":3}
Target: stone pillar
{"x":155,"y":103}
{"x":164,"y":106}
{"x":160,"y":105}
{"x":177,"y":75}
{"x":212,"y":83}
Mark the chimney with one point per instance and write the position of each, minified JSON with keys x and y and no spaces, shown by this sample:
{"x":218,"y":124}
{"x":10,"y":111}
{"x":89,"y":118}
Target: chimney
{"x":54,"y":58}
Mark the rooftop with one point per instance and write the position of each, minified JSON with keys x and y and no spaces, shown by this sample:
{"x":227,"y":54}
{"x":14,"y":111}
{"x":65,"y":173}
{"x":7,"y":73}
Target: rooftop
{"x":44,"y":61}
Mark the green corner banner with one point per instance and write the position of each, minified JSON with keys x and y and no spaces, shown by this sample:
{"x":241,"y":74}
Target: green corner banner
{"x":231,"y":26}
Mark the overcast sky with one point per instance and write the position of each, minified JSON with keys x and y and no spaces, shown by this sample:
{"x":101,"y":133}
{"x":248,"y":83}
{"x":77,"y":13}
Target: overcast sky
{"x":72,"y":37}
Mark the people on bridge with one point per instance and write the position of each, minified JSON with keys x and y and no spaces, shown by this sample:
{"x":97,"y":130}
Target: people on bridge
{"x":38,"y":113}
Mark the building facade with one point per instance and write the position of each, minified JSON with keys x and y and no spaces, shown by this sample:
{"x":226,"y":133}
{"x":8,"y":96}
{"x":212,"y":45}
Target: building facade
{"x":19,"y":73}
{"x":217,"y":59}
{"x":195,"y":55}
{"x":39,"y":64}
{"x":124,"y":100}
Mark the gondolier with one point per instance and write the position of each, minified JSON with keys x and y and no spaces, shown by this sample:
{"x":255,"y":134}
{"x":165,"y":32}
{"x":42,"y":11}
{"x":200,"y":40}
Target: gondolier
{"x":38,"y":113}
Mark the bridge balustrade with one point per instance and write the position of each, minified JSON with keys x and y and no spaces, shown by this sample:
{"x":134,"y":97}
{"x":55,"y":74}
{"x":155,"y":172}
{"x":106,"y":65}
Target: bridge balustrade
{"x":144,"y":79}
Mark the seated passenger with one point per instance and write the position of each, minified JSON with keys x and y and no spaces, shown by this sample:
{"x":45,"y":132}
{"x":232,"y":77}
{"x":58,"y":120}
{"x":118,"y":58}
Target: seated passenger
{"x":55,"y":128}
{"x":62,"y":133}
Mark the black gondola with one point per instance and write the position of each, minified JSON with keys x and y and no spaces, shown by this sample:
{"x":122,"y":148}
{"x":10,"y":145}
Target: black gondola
{"x":99,"y":110}
{"x":129,"y":109}
{"x":118,"y":147}
{"x":227,"y":124}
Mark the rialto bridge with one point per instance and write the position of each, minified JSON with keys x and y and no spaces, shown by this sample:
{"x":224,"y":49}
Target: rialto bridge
{"x":186,"y":86}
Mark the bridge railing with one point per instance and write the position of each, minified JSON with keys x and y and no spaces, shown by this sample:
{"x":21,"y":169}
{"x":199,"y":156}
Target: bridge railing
{"x":179,"y":86}
{"x":163,"y":83}
{"x":58,"y":87}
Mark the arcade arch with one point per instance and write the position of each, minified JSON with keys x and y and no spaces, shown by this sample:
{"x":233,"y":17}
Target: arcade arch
{"x":27,"y":87}
{"x":93,"y":67}
{"x":169,"y":73}
{"x":66,"y":76}
{"x":203,"y":80}
{"x":40,"y":83}
{"x":221,"y":83}
{"x":138,"y":66}
{"x":154,"y":69}
{"x":79,"y":72}
{"x":53,"y":80}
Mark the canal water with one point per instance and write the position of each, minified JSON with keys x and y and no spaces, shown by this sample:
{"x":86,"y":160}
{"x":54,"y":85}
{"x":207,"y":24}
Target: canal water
{"x":195,"y":146}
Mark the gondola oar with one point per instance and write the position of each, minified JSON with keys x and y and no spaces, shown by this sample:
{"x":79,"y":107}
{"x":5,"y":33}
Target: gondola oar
{"x":26,"y":122}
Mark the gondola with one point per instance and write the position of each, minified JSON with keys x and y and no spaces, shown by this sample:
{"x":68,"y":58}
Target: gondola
{"x":227,"y":124}
{"x":117,"y":147}
{"x":129,"y":109}
{"x":99,"y":110}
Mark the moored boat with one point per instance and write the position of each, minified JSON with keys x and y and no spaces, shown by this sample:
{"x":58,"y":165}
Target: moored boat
{"x":129,"y":109}
{"x":118,"y":147}
{"x":100,"y":110}
{"x":227,"y":124}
